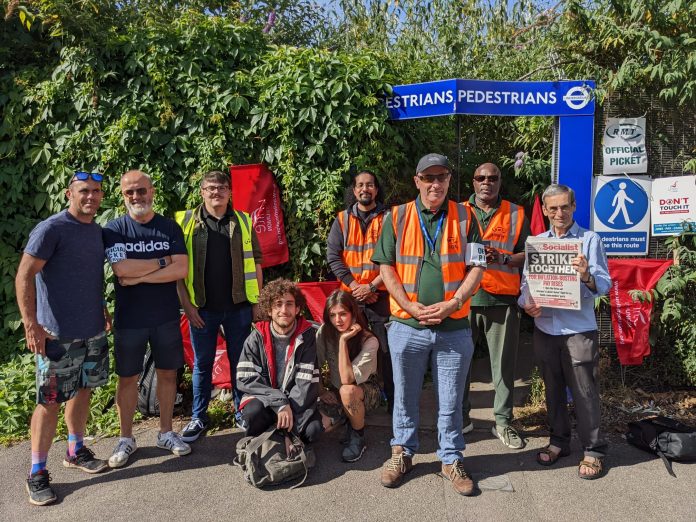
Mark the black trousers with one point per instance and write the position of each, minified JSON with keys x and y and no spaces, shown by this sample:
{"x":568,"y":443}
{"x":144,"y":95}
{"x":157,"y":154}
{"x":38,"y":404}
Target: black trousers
{"x":259,"y":418}
{"x":377,"y":314}
{"x":572,"y":361}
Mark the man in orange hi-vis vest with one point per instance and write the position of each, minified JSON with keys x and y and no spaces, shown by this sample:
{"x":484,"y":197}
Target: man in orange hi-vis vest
{"x":494,"y":311}
{"x":431,"y":260}
{"x":350,"y":245}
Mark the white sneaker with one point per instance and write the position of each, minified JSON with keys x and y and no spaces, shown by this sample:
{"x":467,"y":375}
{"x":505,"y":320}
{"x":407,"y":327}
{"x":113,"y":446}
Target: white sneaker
{"x":172,"y":441}
{"x":124,"y":449}
{"x":468,"y":428}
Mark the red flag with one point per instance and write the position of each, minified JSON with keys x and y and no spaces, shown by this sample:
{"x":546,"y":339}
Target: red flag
{"x":316,"y":294}
{"x":255,"y":191}
{"x":631,"y":319}
{"x":221,"y":365}
{"x":537,"y":225}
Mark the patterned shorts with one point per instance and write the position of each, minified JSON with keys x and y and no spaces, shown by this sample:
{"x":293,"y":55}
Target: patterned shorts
{"x":372,"y":392}
{"x":71,"y":364}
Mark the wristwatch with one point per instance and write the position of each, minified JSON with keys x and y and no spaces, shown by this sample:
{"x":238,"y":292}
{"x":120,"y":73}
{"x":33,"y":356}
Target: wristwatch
{"x":459,"y":300}
{"x":590,"y":280}
{"x":162,"y":262}
{"x":506,"y":258}
{"x":373,"y":288}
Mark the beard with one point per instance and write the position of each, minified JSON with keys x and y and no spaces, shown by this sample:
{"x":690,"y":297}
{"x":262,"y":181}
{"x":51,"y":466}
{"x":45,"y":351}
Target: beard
{"x":139,"y":209}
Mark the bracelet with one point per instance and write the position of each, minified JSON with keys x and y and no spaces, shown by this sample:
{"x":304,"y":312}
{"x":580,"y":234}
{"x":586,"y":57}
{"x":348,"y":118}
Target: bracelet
{"x":373,"y":288}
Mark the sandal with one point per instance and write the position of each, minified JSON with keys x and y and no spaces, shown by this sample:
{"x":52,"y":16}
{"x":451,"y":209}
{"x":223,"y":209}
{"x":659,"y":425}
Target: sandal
{"x":553,"y":456}
{"x":597,"y":466}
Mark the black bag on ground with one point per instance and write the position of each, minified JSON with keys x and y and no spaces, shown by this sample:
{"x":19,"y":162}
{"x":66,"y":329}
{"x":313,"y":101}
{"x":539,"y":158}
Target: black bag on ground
{"x":264,"y":461}
{"x":148,"y":404}
{"x":668,"y":438}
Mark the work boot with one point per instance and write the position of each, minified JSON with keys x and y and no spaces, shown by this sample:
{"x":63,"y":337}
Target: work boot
{"x":396,"y":467}
{"x":461,"y":481}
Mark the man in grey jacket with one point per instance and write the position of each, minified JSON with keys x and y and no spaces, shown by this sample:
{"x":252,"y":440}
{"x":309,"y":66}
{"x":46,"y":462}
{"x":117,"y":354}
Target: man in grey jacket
{"x":277,"y":372}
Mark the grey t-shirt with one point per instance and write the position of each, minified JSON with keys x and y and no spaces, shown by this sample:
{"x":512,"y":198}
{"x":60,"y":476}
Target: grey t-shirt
{"x":70,"y":287}
{"x":280,"y":349}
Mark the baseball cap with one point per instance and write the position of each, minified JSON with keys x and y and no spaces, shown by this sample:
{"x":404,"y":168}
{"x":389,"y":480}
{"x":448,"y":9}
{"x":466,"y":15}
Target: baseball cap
{"x":433,"y":160}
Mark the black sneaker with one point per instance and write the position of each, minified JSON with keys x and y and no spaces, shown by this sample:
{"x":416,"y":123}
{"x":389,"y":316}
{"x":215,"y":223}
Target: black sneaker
{"x":85,"y":460}
{"x":193,"y":430}
{"x":39,"y":489}
{"x":355,"y":447}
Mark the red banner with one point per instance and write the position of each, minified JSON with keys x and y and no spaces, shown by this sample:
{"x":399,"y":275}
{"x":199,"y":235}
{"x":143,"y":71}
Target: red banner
{"x":631,"y":319}
{"x":316,"y":294}
{"x":255,"y":191}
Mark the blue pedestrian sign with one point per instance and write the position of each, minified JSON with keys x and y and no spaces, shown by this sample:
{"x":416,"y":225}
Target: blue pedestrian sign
{"x":621,"y":213}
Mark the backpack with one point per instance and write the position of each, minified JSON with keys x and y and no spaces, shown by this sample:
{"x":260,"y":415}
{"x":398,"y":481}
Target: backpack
{"x":668,"y":438}
{"x":148,"y":404}
{"x":264,"y":462}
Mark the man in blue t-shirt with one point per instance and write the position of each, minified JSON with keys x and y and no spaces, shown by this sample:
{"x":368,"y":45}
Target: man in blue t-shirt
{"x":59,"y":286}
{"x":148,"y":256}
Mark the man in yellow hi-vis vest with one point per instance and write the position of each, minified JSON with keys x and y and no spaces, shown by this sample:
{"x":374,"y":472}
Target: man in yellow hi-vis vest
{"x":221,"y":289}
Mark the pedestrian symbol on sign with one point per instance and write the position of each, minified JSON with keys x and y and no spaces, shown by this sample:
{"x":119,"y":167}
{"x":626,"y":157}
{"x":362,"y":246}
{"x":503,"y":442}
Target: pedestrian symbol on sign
{"x":619,"y":204}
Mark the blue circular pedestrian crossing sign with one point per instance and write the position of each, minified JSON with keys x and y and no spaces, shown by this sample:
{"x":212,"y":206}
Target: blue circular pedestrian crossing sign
{"x":621,"y":204}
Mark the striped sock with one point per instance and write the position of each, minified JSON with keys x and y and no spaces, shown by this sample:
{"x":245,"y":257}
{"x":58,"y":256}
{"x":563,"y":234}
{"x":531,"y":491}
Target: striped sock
{"x":74,"y":443}
{"x":38,"y":461}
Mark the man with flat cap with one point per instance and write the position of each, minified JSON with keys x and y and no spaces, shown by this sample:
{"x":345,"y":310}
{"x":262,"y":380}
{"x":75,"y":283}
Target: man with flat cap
{"x":431,"y":261}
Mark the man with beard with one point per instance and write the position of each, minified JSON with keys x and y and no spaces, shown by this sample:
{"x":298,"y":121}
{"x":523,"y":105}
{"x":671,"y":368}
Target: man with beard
{"x":148,"y":256}
{"x":277,"y":370}
{"x":494,"y":311}
{"x":60,"y":290}
{"x":221,"y":288}
{"x":351,"y":243}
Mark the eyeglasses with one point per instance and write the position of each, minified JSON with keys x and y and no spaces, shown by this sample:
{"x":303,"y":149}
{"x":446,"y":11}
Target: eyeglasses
{"x":141,"y":191}
{"x":84,"y":176}
{"x":216,"y":188}
{"x":365,"y":185}
{"x":491,"y":179}
{"x":432,"y":178}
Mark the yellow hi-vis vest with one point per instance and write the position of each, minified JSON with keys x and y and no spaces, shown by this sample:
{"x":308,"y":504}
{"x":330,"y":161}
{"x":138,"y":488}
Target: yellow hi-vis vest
{"x":251,"y":284}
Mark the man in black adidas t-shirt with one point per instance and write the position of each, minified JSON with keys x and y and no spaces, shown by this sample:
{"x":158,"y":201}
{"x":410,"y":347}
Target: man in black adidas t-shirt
{"x":148,"y":255}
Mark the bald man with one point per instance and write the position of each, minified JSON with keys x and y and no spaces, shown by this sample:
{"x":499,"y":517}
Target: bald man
{"x":148,"y":256}
{"x":494,"y":311}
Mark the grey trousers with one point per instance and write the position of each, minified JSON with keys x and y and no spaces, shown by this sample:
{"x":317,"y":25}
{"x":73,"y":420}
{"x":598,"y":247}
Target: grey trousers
{"x":572,"y":361}
{"x":501,"y":327}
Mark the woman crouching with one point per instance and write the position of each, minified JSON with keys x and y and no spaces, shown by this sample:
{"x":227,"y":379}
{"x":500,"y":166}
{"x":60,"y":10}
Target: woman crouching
{"x":346,"y":345}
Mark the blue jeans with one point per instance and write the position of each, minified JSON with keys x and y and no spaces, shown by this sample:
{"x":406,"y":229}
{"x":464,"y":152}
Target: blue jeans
{"x":449,"y":354}
{"x":236,"y":324}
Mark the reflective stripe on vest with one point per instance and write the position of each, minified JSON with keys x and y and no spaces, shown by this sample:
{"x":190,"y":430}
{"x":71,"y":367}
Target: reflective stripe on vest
{"x":503,"y":232}
{"x":251,"y":284}
{"x":410,"y":249}
{"x":358,"y":247}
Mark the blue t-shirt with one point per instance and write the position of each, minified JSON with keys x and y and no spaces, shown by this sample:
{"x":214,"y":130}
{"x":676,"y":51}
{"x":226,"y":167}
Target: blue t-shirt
{"x":70,"y":287}
{"x":145,"y":305}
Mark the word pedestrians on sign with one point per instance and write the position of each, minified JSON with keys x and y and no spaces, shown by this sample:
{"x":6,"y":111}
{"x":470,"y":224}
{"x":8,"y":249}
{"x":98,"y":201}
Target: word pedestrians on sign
{"x":673,"y":205}
{"x":623,"y":145}
{"x":621,"y":214}
{"x":444,"y":97}
{"x":551,"y":279}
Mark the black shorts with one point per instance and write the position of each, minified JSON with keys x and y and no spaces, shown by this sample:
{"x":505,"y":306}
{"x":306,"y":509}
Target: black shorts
{"x":165,"y":342}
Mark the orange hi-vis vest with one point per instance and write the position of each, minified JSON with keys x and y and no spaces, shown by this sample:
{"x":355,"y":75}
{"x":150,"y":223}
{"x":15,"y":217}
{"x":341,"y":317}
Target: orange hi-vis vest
{"x":358,"y":247}
{"x":503,"y":232}
{"x":410,"y":249}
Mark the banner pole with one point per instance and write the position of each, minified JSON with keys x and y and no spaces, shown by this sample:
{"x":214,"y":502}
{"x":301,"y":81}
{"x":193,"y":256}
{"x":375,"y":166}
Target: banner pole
{"x":459,"y":156}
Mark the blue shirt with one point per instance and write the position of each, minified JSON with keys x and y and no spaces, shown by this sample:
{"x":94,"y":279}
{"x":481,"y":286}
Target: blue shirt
{"x":556,"y":321}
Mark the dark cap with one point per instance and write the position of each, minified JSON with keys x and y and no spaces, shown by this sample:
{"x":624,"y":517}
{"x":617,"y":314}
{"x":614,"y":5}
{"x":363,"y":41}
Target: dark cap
{"x":433,"y":160}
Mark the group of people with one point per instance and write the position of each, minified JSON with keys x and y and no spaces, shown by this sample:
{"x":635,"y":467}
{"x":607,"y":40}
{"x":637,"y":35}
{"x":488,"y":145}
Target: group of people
{"x":420,"y":284}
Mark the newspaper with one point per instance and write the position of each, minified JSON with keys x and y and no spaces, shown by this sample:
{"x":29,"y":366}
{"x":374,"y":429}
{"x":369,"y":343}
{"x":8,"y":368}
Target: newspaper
{"x":551,"y":279}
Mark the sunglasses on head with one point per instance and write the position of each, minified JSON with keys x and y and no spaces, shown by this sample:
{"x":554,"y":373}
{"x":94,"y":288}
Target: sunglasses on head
{"x":141,"y":191}
{"x":84,"y":176}
{"x":491,"y":179}
{"x":432,"y":178}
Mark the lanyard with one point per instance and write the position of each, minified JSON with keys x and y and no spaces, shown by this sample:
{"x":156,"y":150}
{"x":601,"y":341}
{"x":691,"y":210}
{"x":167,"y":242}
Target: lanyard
{"x":426,"y":235}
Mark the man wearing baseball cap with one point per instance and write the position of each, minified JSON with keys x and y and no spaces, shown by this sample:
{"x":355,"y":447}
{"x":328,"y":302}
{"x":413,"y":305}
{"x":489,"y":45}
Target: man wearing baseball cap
{"x":431,"y":261}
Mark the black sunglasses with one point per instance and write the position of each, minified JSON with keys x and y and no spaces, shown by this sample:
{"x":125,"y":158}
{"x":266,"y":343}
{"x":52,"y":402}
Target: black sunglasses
{"x":84,"y":176}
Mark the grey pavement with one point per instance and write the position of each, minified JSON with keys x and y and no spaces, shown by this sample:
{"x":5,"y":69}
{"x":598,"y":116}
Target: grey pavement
{"x":205,"y":485}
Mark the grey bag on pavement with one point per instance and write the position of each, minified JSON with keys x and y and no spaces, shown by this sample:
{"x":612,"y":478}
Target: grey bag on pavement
{"x":264,"y":462}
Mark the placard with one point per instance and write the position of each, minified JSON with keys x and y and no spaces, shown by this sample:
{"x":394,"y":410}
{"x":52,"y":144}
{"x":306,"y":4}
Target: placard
{"x":623,"y":146}
{"x":551,"y":279}
{"x":673,"y":208}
